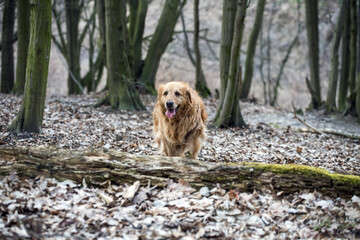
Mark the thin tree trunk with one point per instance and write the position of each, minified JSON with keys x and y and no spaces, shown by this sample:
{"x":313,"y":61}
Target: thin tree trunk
{"x":227,"y":34}
{"x":200,"y":81}
{"x":187,"y":46}
{"x":357,"y":97}
{"x":353,"y":45}
{"x":230,"y":109}
{"x":30,"y":115}
{"x":72,"y":25}
{"x":261,"y":66}
{"x":23,"y":26}
{"x":122,"y":93}
{"x":282,"y":67}
{"x":90,"y":80}
{"x":358,"y":38}
{"x":249,"y":63}
{"x":160,"y":39}
{"x":333,"y":79}
{"x":7,"y":55}
{"x":345,"y":59}
{"x":100,"y":5}
{"x":311,"y":14}
{"x":61,"y":43}
{"x":286,"y":58}
{"x":138,"y":36}
{"x":133,"y":7}
{"x":268,"y":52}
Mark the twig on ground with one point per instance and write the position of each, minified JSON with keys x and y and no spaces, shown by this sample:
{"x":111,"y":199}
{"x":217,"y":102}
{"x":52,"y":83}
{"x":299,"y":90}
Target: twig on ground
{"x":325,"y":131}
{"x":305,"y":123}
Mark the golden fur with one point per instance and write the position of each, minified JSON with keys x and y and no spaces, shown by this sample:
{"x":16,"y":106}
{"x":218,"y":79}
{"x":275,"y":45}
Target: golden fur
{"x":184,"y":131}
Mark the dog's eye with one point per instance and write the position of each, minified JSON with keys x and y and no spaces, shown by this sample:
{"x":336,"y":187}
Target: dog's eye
{"x":166,"y":93}
{"x":177,"y":94}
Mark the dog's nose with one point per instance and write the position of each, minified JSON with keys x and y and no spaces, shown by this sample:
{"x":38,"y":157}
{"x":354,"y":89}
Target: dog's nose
{"x":169,"y":104}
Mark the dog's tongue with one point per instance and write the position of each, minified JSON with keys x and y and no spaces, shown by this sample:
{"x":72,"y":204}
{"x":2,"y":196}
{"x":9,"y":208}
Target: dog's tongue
{"x":170,"y":113}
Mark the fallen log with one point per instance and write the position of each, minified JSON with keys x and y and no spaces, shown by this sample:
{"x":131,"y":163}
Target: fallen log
{"x":97,"y":166}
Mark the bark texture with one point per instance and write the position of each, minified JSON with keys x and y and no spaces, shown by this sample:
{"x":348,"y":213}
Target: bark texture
{"x":333,"y":79}
{"x":312,"y":28}
{"x":159,"y":41}
{"x":345,"y":59}
{"x":100,"y":8}
{"x":97,"y":166}
{"x":23,"y":29}
{"x":227,"y":33}
{"x":73,"y":11}
{"x":249,"y":63}
{"x":137,"y":36}
{"x":228,"y":113}
{"x":353,"y":45}
{"x":7,"y":54}
{"x":200,"y":81}
{"x":30,"y":116}
{"x":122,"y":93}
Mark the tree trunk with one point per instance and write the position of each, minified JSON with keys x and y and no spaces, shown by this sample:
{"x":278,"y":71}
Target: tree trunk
{"x":159,"y":41}
{"x":249,"y":63}
{"x":72,"y":26}
{"x":133,"y":7}
{"x":229,"y":114}
{"x":311,"y":14}
{"x":353,"y":56}
{"x":333,"y":79}
{"x":227,"y":33}
{"x":7,"y":55}
{"x":357,"y":97}
{"x":200,"y":81}
{"x":345,"y":59}
{"x":138,"y":36}
{"x":96,"y":167}
{"x":353,"y":45}
{"x":23,"y":29}
{"x":29,"y":118}
{"x":358,"y":38}
{"x":187,"y":47}
{"x":122,"y":93}
{"x":100,"y":5}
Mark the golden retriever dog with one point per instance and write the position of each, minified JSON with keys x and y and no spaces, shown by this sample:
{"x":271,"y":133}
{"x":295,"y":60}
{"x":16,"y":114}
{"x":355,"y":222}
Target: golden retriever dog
{"x":179,"y":120}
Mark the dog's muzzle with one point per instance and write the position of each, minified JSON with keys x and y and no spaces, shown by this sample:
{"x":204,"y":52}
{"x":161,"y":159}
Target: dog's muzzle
{"x":170,"y":109}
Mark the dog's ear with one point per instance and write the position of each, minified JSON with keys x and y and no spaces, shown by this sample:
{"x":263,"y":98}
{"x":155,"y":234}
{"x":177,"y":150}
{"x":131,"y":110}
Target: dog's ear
{"x":160,"y":89}
{"x":188,"y":95}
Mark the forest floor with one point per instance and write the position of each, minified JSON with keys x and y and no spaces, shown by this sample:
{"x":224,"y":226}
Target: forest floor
{"x":47,"y":208}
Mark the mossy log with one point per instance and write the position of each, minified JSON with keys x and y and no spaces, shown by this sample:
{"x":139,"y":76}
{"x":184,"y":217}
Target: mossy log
{"x":98,"y":166}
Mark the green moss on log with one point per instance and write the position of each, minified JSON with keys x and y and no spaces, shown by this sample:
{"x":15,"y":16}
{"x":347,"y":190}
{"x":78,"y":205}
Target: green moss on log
{"x":306,"y":171}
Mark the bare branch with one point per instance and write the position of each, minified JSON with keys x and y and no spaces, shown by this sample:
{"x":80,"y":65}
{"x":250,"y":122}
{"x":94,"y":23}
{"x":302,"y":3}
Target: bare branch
{"x":62,"y":42}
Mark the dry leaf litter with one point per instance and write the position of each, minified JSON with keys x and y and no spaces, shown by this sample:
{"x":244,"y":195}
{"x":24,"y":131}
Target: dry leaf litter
{"x":46,"y":208}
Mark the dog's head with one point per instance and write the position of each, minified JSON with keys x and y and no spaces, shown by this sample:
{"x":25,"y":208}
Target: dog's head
{"x":173,"y":97}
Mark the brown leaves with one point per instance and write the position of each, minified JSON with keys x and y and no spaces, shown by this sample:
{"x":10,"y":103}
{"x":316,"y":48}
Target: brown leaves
{"x":44,"y":207}
{"x":72,"y":122}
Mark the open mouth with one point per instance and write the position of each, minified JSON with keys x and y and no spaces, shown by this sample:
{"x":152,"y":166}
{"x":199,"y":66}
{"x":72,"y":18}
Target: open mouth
{"x":170,"y":113}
